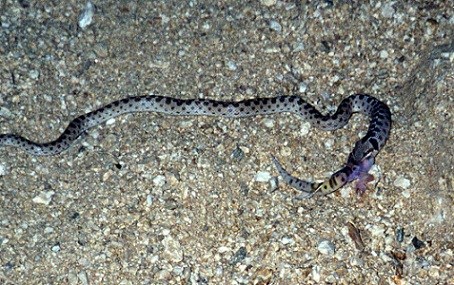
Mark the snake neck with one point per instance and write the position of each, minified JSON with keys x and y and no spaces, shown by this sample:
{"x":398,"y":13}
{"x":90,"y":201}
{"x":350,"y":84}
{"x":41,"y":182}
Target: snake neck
{"x":350,"y":172}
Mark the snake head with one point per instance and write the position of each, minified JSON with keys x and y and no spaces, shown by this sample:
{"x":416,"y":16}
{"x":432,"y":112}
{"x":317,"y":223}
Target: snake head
{"x":363,"y":150}
{"x":361,"y":168}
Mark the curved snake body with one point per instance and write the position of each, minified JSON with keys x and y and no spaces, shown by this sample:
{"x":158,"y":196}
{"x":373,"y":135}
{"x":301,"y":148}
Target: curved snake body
{"x":358,"y":164}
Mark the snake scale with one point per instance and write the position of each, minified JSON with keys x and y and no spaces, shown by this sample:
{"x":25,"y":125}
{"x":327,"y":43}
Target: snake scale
{"x":358,"y":163}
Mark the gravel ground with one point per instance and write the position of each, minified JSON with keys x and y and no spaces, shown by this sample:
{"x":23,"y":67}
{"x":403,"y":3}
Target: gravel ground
{"x":150,"y":199}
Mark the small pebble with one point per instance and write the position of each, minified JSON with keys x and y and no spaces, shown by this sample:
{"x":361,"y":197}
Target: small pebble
{"x":286,"y":240}
{"x":305,"y":128}
{"x":406,"y":194}
{"x":387,"y":10}
{"x":417,"y":243}
{"x":48,"y":230}
{"x":268,"y":3}
{"x":44,"y":198}
{"x":2,"y":169}
{"x":239,"y":255}
{"x":4,"y":112}
{"x":297,"y":47}
{"x":275,"y":26}
{"x":262,"y":176}
{"x":326,"y":247}
{"x":223,"y":249}
{"x":274,"y":183}
{"x":402,"y":182}
{"x":286,"y":151}
{"x":231,"y":65}
{"x":383,"y":54}
{"x":269,"y":123}
{"x":149,"y":200}
{"x":83,"y":277}
{"x":159,"y":180}
{"x":72,"y":278}
{"x":186,"y":124}
{"x":400,"y":234}
{"x":86,"y":17}
{"x":377,"y":230}
{"x":56,"y":248}
{"x":237,"y":154}
{"x":34,"y":74}
{"x":302,"y":87}
{"x":178,"y":270}
{"x":329,"y":143}
{"x":316,"y":273}
{"x":101,"y":50}
{"x":172,"y":249}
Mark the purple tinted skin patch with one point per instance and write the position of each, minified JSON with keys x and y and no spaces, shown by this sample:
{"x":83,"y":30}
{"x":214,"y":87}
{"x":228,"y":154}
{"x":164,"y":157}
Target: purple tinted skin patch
{"x":361,"y":173}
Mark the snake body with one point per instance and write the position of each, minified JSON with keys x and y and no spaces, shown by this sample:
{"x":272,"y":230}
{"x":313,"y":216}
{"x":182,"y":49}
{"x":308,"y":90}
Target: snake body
{"x":357,"y":167}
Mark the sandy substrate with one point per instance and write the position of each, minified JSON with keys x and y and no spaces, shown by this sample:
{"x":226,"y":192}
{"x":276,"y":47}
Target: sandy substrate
{"x":150,"y":199}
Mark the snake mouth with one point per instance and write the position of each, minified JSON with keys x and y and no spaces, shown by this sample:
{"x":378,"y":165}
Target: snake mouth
{"x":360,"y":172}
{"x":361,"y":168}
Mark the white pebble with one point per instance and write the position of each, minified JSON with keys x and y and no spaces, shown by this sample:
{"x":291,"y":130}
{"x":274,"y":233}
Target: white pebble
{"x":262,"y":176}
{"x":402,"y":182}
{"x":149,"y":200}
{"x":286,"y":151}
{"x":275,"y":26}
{"x":172,"y":249}
{"x":406,"y":194}
{"x":326,"y":247}
{"x":164,"y":19}
{"x":377,"y":230}
{"x":302,"y":87}
{"x":245,"y":149}
{"x":268,"y":122}
{"x":329,"y":143}
{"x":297,"y":47}
{"x":186,"y":124}
{"x":268,"y":3}
{"x":5,"y":113}
{"x":3,"y":241}
{"x":2,"y":169}
{"x":223,"y":249}
{"x":44,"y":198}
{"x":383,"y":54}
{"x":316,"y":273}
{"x":273,"y":183}
{"x":83,"y":277}
{"x":56,"y":248}
{"x":305,"y":127}
{"x":86,"y":17}
{"x":159,"y":180}
{"x":34,"y":74}
{"x":206,"y":26}
{"x":72,"y":278}
{"x":286,"y":240}
{"x":388,"y":10}
{"x":231,"y":65}
{"x":48,"y":230}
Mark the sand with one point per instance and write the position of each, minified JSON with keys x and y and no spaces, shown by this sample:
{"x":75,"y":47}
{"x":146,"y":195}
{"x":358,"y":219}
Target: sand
{"x":152,"y":199}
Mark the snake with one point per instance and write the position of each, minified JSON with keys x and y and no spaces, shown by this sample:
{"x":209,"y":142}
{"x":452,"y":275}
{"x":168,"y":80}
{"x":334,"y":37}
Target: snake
{"x":357,"y":167}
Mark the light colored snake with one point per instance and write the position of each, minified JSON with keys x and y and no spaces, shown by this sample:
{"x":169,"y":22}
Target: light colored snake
{"x":358,"y":164}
